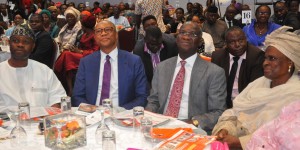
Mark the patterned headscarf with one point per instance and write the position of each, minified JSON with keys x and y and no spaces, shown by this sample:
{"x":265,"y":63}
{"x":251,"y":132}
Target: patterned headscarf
{"x":288,"y":43}
{"x":74,"y":11}
{"x":23,"y":30}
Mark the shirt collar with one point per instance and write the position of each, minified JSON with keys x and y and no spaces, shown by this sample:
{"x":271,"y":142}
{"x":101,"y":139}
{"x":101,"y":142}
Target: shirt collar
{"x":189,"y":61}
{"x":113,"y":55}
{"x":149,"y":52}
{"x":242,"y":56}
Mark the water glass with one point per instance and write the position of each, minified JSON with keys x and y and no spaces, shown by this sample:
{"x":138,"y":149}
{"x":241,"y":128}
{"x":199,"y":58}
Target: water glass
{"x":101,"y":127}
{"x":108,"y":140}
{"x":138,"y":114}
{"x":108,"y":105}
{"x":18,"y":134}
{"x":66,"y":104}
{"x":24,"y":107}
{"x":146,"y":127}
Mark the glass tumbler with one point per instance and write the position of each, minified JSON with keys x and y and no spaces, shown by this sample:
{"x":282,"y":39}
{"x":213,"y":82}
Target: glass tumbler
{"x":108,"y":140}
{"x":138,"y":114}
{"x":146,"y":127}
{"x":24,"y":108}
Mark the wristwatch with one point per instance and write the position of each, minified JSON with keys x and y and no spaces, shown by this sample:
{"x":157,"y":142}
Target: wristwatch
{"x":195,"y":122}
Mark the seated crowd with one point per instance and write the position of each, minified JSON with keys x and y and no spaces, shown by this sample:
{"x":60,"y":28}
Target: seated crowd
{"x":228,"y":78}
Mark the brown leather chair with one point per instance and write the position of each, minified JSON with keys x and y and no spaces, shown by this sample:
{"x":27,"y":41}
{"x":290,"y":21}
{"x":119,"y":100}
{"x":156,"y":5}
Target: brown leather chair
{"x":127,"y":39}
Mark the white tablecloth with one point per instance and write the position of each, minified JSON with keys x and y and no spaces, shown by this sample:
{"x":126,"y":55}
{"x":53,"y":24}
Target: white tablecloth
{"x":125,"y":138}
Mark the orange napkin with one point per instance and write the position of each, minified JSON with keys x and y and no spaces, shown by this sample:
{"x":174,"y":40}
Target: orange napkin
{"x":164,"y":133}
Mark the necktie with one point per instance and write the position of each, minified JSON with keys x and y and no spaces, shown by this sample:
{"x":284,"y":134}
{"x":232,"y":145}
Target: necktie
{"x":231,"y":80}
{"x":229,"y":23}
{"x":106,"y":80}
{"x":176,"y":93}
{"x":155,"y":60}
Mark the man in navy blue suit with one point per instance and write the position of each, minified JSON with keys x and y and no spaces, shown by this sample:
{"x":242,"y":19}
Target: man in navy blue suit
{"x":110,"y":73}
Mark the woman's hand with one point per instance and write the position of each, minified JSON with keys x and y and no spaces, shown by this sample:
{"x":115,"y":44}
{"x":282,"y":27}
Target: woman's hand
{"x":232,"y":141}
{"x":75,"y":49}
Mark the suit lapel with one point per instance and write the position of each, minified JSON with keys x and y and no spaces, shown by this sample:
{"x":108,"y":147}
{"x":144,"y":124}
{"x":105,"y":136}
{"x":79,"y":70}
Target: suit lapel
{"x":122,"y":74}
{"x":168,"y":76}
{"x":163,"y":53}
{"x":198,"y":72}
{"x":226,"y":63}
{"x":95,"y":76}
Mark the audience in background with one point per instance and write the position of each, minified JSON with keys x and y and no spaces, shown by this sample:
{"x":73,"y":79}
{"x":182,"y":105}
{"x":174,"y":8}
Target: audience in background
{"x":154,"y":48}
{"x":257,"y":31}
{"x":177,"y":23}
{"x":116,"y":19}
{"x":43,"y":50}
{"x":71,"y":31}
{"x":206,"y":44}
{"x":49,"y":25}
{"x":215,"y":27}
{"x":67,"y":64}
{"x":96,"y":10}
{"x":189,"y":8}
{"x":150,"y":7}
{"x":18,"y":20}
{"x":6,"y":17}
{"x":229,"y":17}
{"x":281,"y":16}
{"x":81,"y":7}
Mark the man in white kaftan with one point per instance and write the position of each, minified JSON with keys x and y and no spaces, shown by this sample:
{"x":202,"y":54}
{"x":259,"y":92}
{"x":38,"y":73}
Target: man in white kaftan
{"x":36,"y":83}
{"x":25,"y":80}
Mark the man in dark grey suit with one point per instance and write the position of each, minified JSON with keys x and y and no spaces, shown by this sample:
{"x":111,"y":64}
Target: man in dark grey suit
{"x":202,"y":99}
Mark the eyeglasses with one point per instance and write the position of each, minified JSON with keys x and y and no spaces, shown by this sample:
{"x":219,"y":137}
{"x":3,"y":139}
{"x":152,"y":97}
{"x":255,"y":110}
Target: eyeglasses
{"x":106,"y":30}
{"x":189,"y":34}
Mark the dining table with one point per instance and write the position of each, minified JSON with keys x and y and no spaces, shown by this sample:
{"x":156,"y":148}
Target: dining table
{"x":127,"y":138}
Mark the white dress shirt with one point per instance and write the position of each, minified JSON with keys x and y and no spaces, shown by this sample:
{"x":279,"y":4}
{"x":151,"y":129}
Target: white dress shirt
{"x":235,"y":87}
{"x":227,"y":22}
{"x":209,"y":46}
{"x":113,"y":92}
{"x":183,"y":110}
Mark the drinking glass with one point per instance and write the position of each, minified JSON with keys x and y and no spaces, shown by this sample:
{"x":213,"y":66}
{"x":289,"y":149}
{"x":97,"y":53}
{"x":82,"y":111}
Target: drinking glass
{"x":138,"y":113}
{"x":102,"y":126}
{"x":108,"y":140}
{"x":107,"y":104}
{"x":146,"y":127}
{"x":66,"y":104}
{"x":24,"y":108}
{"x":59,"y":142}
{"x":18,"y":134}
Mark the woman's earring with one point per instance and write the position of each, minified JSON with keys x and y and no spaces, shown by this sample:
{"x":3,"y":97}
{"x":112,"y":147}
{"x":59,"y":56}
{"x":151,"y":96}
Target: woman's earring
{"x":289,"y":68}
